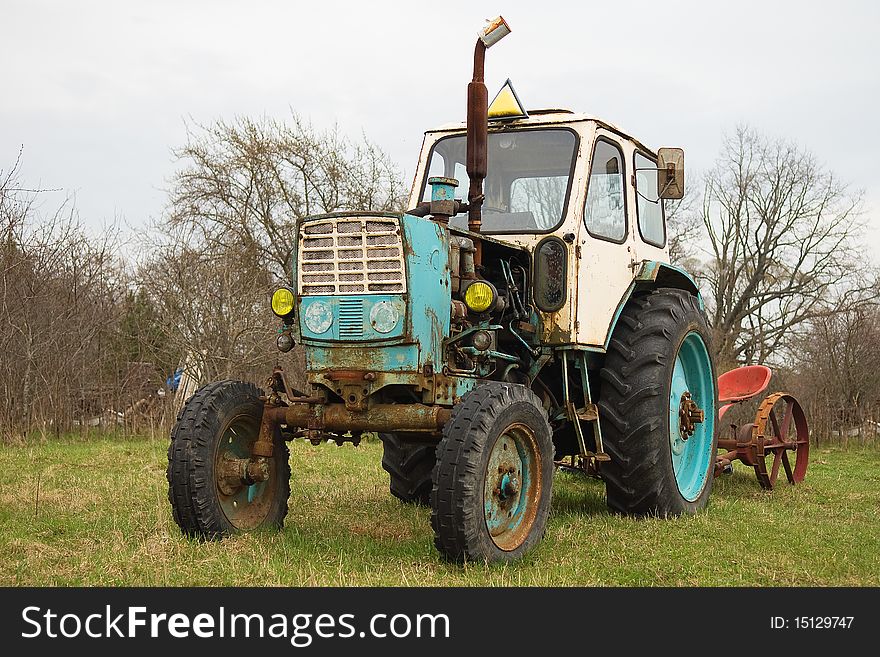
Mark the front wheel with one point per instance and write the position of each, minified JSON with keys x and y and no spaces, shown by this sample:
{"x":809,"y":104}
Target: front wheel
{"x":493,"y":479}
{"x":657,"y":407}
{"x":213,"y":488}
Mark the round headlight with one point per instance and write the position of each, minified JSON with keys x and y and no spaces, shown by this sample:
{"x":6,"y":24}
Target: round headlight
{"x":318,"y":317}
{"x":479,"y":296}
{"x":384,"y":317}
{"x":282,"y":301}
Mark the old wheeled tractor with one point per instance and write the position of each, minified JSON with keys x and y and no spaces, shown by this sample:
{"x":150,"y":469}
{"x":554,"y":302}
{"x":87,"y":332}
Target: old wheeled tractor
{"x":488,"y":334}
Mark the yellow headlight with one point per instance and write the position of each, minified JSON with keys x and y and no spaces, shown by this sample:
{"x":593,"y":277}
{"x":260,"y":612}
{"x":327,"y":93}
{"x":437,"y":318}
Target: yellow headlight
{"x":282,"y":302}
{"x":479,"y":296}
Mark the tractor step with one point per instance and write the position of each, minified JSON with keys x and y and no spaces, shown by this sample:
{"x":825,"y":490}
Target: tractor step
{"x":588,"y":414}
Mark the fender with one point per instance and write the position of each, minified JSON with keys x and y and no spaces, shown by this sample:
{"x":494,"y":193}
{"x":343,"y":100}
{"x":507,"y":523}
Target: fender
{"x":651,"y":275}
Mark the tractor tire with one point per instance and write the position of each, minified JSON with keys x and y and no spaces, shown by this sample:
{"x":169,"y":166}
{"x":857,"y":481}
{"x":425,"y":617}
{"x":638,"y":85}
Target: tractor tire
{"x":409,"y":465}
{"x":222,"y":421}
{"x":660,"y":350}
{"x":492,"y":483}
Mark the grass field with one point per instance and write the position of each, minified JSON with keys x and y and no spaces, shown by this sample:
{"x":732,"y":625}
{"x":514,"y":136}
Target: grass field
{"x":94,"y":512}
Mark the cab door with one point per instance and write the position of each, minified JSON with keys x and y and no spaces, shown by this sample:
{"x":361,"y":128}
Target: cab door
{"x":650,"y":241}
{"x":605,"y":240}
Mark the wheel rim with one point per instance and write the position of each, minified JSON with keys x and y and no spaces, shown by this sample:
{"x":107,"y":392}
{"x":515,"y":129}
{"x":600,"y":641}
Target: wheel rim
{"x":780,"y":431}
{"x":244,"y":505}
{"x":513,"y":485}
{"x":691,"y":445}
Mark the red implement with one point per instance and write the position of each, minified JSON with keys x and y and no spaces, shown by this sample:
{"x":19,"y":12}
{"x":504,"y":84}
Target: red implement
{"x":779,"y":431}
{"x":741,"y":384}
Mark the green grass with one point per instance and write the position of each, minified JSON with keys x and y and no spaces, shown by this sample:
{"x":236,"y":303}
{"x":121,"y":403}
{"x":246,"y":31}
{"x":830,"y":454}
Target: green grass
{"x":102,"y":518}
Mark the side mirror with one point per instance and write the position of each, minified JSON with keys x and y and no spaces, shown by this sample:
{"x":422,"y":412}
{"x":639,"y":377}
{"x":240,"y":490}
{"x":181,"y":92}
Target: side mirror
{"x":670,"y":173}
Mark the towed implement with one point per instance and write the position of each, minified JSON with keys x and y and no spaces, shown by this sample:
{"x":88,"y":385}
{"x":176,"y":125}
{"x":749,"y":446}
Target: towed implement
{"x":778,"y":437}
{"x":523,"y":313}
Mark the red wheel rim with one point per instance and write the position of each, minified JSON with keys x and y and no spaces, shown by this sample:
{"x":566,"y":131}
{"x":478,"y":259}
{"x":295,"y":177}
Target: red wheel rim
{"x":781,"y":439}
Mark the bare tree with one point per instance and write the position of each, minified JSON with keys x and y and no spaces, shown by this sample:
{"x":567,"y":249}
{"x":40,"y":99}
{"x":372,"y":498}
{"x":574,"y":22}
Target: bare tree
{"x":212,"y":305}
{"x":782,"y":234}
{"x":683,"y":229}
{"x":249,"y":181}
{"x":58,"y":312}
{"x":837,"y":373}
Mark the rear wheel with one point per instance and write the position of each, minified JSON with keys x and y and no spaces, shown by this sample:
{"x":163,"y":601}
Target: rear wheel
{"x":494,"y":474}
{"x":212,"y":491}
{"x":657,"y":406}
{"x":409,"y":465}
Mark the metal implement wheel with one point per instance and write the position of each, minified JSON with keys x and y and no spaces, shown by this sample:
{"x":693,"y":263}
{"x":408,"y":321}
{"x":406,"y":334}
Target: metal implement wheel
{"x":658,"y":405}
{"x":215,"y":486}
{"x":494,"y":474}
{"x":780,"y":429}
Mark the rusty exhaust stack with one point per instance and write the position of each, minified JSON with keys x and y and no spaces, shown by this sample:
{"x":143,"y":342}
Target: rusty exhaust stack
{"x":478,"y":126}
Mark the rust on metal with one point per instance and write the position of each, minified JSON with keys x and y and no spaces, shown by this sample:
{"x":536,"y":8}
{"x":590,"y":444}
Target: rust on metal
{"x":509,"y":494}
{"x":778,"y":437}
{"x":319,"y":418}
{"x":232,"y":473}
{"x":263,"y":447}
{"x":341,"y":375}
{"x":278,"y":386}
{"x":237,"y":473}
{"x":689,"y":415}
{"x":477,"y":137}
{"x":459,"y":310}
{"x":769,"y":436}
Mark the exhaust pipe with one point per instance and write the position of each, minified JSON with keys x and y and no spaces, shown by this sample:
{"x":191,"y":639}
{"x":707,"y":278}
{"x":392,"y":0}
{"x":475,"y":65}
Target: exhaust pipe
{"x":478,"y":125}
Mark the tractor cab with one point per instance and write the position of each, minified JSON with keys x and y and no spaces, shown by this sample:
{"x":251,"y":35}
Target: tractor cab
{"x":581,"y":196}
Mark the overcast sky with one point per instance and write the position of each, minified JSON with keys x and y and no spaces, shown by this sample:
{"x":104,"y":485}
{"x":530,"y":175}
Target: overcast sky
{"x":97,"y":91}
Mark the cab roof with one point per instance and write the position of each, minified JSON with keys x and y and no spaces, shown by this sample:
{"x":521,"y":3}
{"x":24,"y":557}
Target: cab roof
{"x":552,"y":116}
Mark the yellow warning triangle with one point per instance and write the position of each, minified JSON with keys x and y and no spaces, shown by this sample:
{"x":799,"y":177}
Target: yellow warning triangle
{"x":506,"y":105}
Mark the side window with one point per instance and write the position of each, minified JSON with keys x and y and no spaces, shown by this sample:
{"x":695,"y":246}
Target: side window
{"x":649,"y":207}
{"x":605,"y":211}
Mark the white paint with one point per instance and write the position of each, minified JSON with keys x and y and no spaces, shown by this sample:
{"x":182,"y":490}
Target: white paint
{"x":600,"y":278}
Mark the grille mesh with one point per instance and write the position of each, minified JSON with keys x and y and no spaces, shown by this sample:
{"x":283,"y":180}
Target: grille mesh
{"x":349,"y":255}
{"x":351,"y":318}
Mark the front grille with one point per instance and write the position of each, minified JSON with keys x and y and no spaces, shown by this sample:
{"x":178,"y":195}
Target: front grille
{"x":351,"y":318}
{"x":351,"y":255}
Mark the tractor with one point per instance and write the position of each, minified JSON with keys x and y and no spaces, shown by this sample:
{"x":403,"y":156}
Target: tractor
{"x":521,"y":316}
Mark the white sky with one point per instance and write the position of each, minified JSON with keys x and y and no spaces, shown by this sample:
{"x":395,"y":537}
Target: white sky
{"x":97,"y":91}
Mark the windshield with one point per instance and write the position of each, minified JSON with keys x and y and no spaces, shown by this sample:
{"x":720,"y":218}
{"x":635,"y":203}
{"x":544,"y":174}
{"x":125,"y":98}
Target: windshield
{"x":528,"y":181}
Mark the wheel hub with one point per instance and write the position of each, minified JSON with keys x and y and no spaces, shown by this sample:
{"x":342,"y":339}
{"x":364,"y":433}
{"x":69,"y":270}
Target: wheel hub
{"x":233,"y":473}
{"x":507,"y":484}
{"x":689,"y":416}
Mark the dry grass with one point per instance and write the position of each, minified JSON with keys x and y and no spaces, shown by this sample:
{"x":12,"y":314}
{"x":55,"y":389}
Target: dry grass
{"x":94,"y":512}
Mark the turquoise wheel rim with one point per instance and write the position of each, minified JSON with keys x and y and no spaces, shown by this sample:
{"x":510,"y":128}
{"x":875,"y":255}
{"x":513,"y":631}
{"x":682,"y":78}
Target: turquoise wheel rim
{"x":512,"y":487}
{"x":692,"y":456}
{"x":245,"y":506}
